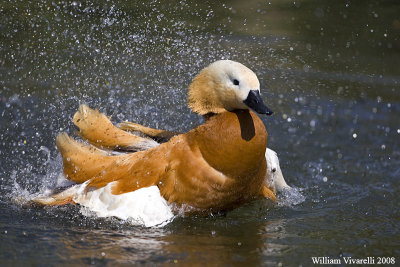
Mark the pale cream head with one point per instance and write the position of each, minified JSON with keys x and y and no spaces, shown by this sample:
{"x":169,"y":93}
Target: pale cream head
{"x":222,"y":86}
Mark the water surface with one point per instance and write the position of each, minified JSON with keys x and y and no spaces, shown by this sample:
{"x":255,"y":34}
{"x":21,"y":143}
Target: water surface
{"x":328,"y":69}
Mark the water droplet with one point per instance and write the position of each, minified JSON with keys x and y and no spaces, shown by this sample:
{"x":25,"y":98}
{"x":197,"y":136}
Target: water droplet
{"x":306,"y":68}
{"x":325,"y":179}
{"x":319,"y":12}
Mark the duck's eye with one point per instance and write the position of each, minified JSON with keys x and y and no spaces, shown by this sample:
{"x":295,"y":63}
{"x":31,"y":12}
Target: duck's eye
{"x":235,"y":82}
{"x":273,"y":169}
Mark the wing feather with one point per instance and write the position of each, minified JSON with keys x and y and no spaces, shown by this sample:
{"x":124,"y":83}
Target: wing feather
{"x":99,"y":131}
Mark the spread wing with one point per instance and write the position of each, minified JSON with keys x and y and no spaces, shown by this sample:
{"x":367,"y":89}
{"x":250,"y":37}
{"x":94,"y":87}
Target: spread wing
{"x":156,"y":134}
{"x":99,"y":131}
{"x":131,"y":171}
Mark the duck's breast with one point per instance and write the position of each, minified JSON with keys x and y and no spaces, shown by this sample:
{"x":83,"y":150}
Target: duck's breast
{"x":232,"y":142}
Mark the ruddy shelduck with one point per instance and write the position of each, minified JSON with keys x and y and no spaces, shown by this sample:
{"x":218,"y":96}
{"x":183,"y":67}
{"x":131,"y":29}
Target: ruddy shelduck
{"x":215,"y":167}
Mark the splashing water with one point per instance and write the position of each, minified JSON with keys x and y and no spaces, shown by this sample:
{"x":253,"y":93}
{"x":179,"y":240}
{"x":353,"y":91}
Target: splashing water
{"x":336,"y":125}
{"x":143,"y":207}
{"x":290,"y":197}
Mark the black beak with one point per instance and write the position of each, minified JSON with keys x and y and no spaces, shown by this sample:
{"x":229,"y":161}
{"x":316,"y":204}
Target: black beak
{"x":255,"y":102}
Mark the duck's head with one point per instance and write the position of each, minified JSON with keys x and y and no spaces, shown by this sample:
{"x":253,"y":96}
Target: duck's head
{"x":226,"y":85}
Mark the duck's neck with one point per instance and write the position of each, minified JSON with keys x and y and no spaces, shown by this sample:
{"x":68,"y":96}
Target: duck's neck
{"x":208,"y":116}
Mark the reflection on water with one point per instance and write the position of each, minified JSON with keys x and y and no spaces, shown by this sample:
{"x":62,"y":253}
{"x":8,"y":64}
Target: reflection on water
{"x":328,"y":69}
{"x":185,"y":241}
{"x":119,"y":246}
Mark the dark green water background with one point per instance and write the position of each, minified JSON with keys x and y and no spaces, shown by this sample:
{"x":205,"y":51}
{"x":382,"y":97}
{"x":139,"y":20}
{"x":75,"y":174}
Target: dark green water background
{"x":329,"y":69}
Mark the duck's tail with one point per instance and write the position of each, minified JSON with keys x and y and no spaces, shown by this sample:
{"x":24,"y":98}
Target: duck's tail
{"x":99,"y":131}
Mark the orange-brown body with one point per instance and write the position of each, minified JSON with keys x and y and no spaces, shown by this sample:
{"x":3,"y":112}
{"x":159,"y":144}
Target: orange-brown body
{"x":216,"y":166}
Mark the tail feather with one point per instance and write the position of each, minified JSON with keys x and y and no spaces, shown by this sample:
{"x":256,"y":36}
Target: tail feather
{"x":99,"y":131}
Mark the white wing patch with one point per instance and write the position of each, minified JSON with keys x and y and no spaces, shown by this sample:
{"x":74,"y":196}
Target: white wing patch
{"x":144,"y":206}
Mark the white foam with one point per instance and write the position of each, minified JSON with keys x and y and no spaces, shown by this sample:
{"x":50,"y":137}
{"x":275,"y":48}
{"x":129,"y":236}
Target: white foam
{"x":145,"y":206}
